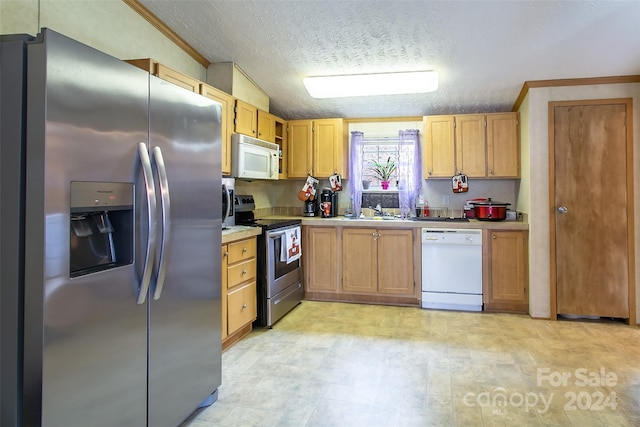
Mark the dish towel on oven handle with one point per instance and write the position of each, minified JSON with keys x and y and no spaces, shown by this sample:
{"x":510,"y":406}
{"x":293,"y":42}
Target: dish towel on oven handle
{"x":290,"y":249}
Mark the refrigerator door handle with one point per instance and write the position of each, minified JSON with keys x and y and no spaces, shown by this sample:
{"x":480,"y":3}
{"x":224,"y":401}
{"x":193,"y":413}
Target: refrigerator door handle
{"x":165,"y":201}
{"x":150,"y":189}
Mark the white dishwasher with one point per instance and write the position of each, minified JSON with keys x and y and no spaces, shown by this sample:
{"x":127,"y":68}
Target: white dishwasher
{"x":452,"y":269}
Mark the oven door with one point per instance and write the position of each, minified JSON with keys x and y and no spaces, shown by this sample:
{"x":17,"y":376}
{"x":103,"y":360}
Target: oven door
{"x":280,"y":275}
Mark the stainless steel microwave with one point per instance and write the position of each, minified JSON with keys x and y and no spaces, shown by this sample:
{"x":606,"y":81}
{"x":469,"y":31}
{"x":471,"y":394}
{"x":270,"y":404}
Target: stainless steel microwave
{"x":253,"y":158}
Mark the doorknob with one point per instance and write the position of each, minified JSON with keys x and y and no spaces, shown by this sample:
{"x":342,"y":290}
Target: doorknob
{"x":562,"y":209}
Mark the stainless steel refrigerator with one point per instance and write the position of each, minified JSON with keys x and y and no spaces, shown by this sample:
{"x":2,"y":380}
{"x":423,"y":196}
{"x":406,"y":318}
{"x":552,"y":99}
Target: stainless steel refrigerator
{"x":111,"y":232}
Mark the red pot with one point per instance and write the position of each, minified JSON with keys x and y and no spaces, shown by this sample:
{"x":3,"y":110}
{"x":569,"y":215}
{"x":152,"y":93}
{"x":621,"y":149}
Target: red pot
{"x":489,"y":210}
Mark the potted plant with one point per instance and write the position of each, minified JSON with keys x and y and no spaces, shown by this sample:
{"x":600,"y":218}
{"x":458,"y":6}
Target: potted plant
{"x":383,"y":171}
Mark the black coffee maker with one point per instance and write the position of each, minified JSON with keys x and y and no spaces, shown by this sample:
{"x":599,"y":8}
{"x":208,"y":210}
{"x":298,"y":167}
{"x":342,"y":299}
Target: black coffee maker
{"x":310,"y":208}
{"x":328,"y":203}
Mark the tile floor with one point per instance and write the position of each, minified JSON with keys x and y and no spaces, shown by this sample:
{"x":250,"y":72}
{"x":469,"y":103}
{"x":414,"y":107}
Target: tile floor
{"x":335,"y":365}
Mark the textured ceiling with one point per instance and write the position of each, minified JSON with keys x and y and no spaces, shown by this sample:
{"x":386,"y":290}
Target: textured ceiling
{"x":483,"y":50}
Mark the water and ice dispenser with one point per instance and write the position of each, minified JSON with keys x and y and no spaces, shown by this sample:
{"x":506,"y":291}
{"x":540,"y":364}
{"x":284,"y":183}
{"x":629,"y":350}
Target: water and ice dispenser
{"x":101,"y":226}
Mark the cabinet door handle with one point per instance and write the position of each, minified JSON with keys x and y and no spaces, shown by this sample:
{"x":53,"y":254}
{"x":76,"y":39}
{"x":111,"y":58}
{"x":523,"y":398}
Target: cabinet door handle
{"x":244,"y":272}
{"x":430,"y":173}
{"x":244,"y":250}
{"x":244,"y":306}
{"x":493,"y":236}
{"x":226,"y":254}
{"x":490,"y":171}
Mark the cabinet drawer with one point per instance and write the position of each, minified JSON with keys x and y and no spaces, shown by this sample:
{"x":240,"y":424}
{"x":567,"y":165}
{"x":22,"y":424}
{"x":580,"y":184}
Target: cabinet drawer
{"x":242,"y":250}
{"x":241,"y":272}
{"x":241,"y":307}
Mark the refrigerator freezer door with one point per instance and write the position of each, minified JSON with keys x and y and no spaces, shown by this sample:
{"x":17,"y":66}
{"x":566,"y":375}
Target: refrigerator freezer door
{"x":185,"y":320}
{"x":85,"y":348}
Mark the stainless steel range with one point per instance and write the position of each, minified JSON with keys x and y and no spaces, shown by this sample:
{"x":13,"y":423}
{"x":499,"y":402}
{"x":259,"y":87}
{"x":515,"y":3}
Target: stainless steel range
{"x":279,"y":287}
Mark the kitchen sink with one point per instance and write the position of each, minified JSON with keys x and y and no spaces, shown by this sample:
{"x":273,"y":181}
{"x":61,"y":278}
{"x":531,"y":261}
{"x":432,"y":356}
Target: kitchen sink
{"x":376,"y":218}
{"x":439,"y":219}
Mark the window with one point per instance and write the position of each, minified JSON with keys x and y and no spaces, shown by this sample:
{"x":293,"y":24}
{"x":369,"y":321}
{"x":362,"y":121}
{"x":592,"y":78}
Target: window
{"x":379,"y":150}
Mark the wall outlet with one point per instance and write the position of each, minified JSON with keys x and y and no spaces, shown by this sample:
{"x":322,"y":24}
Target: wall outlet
{"x":445,"y":200}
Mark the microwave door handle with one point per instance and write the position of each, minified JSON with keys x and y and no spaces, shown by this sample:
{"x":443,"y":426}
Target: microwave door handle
{"x":165,"y":201}
{"x":150,"y":190}
{"x":270,"y":166}
{"x":227,"y":196}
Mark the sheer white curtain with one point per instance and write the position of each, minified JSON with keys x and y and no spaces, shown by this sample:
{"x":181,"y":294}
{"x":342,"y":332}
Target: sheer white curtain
{"x":356,"y":153}
{"x":409,"y":170}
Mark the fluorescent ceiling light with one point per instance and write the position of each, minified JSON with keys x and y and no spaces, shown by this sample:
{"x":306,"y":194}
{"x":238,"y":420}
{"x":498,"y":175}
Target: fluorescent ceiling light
{"x":371,"y":84}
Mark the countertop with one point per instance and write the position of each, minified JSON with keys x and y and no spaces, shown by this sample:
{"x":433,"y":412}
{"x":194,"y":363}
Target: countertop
{"x":378,"y":222}
{"x":239,"y":232}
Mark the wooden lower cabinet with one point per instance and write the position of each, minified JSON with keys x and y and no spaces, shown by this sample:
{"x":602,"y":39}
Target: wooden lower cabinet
{"x":320,"y":256}
{"x":362,"y":265}
{"x":505,"y":271}
{"x":223,"y":296}
{"x":395,"y":262}
{"x":359,"y":260}
{"x":241,"y":306}
{"x":239,"y":303}
{"x":378,"y":261}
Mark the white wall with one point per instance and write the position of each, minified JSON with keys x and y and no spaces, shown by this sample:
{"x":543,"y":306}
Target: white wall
{"x":107,"y":25}
{"x":534,"y":191}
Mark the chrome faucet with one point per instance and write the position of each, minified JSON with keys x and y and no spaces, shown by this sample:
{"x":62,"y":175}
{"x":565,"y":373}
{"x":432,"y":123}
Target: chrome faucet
{"x":378,"y":210}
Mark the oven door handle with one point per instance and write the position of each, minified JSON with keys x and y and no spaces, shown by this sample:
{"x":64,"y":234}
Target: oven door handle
{"x":275,"y":233}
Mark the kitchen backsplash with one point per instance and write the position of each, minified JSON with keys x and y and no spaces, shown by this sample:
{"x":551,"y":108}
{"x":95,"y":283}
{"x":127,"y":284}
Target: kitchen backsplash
{"x":281,"y":197}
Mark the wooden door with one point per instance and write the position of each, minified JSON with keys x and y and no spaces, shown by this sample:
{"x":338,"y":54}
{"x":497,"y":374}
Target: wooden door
{"x":395,"y":261}
{"x":246,"y":121}
{"x":359,"y":260}
{"x":320,"y":260}
{"x":471,"y":153}
{"x":438,"y":160}
{"x":503,"y":146}
{"x":591,"y":201}
{"x":299,"y":148}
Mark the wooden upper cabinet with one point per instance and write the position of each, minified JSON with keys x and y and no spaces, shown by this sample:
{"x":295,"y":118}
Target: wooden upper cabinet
{"x":328,"y":147}
{"x":471,"y":155}
{"x":503,"y":145}
{"x":299,"y":149}
{"x":227,"y":103}
{"x":165,"y":73}
{"x":281,"y":139}
{"x":266,"y":126}
{"x":478,"y":145}
{"x":246,"y":120}
{"x":316,"y":147}
{"x":176,"y":77}
{"x":438,"y":159}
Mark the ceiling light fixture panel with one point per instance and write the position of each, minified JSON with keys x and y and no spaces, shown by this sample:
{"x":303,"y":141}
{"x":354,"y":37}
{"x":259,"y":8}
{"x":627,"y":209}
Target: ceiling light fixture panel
{"x":371,"y":84}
